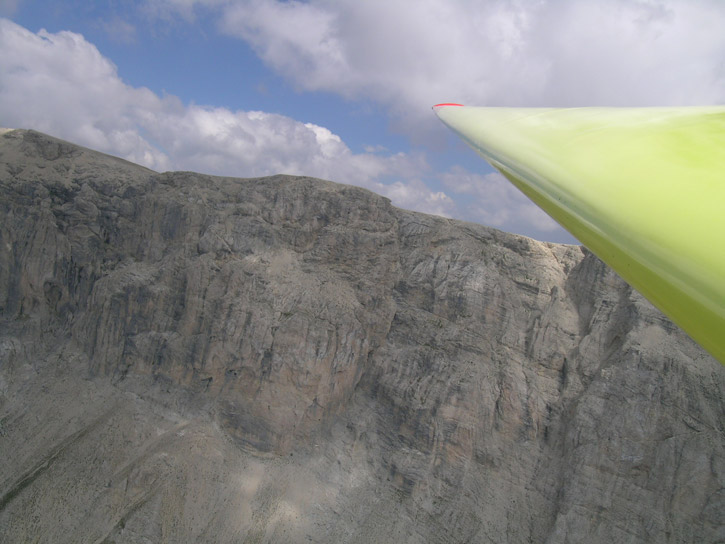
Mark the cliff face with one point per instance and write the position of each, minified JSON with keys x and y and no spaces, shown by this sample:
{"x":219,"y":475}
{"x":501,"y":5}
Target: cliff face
{"x":189,"y":358}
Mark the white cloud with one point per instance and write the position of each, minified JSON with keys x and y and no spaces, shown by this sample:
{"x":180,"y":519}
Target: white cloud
{"x":496,"y":202}
{"x":415,"y":195}
{"x":61,"y":84}
{"x":119,"y":30}
{"x":410,"y":55}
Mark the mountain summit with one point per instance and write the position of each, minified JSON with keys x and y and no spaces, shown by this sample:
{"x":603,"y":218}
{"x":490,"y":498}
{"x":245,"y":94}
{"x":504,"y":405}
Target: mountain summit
{"x":188,"y":358}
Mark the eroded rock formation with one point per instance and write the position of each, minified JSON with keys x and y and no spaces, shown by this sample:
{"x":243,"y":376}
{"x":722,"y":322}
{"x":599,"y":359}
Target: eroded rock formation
{"x":188,"y":358}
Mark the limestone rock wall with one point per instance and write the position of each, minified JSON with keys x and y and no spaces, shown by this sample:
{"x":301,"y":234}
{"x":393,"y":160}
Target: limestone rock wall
{"x":189,"y":358}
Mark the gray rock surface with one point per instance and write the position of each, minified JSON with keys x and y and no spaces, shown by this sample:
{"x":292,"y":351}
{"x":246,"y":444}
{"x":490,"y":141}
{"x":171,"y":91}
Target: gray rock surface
{"x":188,"y":358}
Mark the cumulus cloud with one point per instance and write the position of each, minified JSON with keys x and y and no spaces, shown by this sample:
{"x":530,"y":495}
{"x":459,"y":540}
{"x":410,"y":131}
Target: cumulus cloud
{"x":410,"y":55}
{"x":61,"y":84}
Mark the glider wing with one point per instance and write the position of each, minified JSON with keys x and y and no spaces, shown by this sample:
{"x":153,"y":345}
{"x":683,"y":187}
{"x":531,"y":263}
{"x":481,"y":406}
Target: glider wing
{"x":643,"y":188}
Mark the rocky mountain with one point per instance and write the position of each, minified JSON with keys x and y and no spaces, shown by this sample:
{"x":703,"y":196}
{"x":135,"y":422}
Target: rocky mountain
{"x":188,"y":358}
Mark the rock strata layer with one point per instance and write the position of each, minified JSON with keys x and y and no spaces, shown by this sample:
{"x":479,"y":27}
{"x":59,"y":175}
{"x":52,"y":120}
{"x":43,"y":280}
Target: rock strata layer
{"x":188,"y":358}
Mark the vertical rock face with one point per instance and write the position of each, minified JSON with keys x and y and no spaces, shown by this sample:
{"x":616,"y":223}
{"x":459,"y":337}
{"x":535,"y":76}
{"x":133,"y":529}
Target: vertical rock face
{"x":189,"y":358}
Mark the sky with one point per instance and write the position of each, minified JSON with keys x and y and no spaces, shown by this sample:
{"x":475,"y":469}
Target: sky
{"x":343,"y":89}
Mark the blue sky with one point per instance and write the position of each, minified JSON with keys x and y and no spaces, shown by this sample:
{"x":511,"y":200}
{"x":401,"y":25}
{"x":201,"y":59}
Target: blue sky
{"x":342,"y":89}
